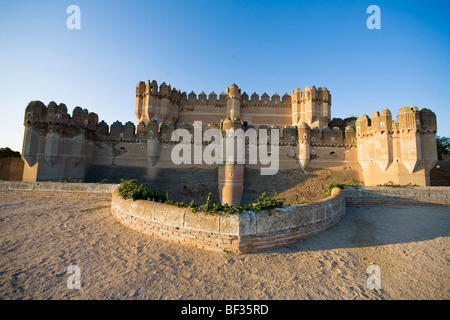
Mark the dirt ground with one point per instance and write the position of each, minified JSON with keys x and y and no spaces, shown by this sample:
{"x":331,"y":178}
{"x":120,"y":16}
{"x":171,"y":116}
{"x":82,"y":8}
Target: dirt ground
{"x":42,"y":237}
{"x":292,"y":184}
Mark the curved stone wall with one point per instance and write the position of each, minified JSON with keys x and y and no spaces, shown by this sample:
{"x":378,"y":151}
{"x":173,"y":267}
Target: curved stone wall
{"x":239,"y":233}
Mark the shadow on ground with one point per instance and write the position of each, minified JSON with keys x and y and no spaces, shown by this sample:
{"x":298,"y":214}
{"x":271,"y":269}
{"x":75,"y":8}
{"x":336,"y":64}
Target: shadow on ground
{"x":366,"y":225}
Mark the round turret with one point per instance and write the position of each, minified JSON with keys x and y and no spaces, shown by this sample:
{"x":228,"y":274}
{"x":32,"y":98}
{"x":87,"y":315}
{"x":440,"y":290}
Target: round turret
{"x":234,"y":92}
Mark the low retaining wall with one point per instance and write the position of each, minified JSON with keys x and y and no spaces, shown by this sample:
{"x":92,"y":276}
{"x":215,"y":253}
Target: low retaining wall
{"x":438,"y":195}
{"x":239,"y":233}
{"x":56,"y":189}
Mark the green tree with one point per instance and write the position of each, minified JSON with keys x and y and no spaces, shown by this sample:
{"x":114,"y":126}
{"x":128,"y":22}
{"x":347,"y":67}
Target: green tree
{"x":443,"y":146}
{"x":8,"y":153}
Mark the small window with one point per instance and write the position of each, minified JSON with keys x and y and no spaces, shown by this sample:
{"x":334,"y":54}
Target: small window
{"x":142,"y":147}
{"x":122,"y":148}
{"x":121,"y":135}
{"x":29,"y":114}
{"x":103,"y":147}
{"x":165,"y":148}
{"x":291,"y":152}
{"x":332,"y":139}
{"x":313,"y":152}
{"x":150,"y":132}
{"x":142,"y":135}
{"x":292,"y":137}
{"x":347,"y":152}
{"x":164,"y":135}
{"x":305,"y":136}
{"x":58,"y":116}
{"x":332,"y":153}
{"x":313,"y":139}
{"x":382,"y":124}
{"x":358,"y":129}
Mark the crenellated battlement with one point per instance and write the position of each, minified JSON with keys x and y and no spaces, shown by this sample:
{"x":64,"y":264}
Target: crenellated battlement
{"x":55,"y":118}
{"x":408,"y":120}
{"x":220,"y":100}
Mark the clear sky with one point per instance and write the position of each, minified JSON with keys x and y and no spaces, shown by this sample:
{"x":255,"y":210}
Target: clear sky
{"x":262,"y":46}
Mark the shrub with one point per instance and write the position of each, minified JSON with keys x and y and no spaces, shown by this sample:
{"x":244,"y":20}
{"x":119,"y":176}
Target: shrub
{"x":129,"y":189}
{"x":8,"y":153}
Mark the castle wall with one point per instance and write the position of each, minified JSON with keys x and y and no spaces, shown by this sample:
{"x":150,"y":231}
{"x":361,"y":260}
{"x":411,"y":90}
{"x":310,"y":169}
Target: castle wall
{"x":11,"y":169}
{"x":60,"y":146}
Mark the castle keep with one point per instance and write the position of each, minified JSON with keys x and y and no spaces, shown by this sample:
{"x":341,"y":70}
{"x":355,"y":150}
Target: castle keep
{"x":58,"y":146}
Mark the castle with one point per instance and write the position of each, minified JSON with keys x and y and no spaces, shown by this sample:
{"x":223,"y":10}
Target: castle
{"x":58,"y":146}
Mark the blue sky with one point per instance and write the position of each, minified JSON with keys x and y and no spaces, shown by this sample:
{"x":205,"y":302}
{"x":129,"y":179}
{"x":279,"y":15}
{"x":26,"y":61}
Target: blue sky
{"x":262,"y":46}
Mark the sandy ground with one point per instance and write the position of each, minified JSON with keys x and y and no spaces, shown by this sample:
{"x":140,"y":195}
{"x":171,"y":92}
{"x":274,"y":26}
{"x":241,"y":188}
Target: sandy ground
{"x":40,"y":238}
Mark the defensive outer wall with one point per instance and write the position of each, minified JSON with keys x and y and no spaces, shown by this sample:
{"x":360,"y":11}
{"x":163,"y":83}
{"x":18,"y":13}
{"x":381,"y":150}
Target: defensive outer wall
{"x":238,"y":233}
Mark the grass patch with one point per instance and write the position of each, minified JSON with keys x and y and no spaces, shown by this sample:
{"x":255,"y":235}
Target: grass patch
{"x":394,"y":185}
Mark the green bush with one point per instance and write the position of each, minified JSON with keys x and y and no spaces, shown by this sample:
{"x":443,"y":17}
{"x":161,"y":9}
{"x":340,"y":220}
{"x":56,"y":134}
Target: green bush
{"x":8,"y":153}
{"x":129,"y":189}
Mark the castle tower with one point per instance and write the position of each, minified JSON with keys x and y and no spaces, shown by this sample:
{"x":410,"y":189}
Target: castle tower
{"x":411,"y":147}
{"x":312,"y":107}
{"x":163,"y":112}
{"x":364,"y":142}
{"x":382,"y":130}
{"x":304,"y":138}
{"x":324,"y":105}
{"x":233,"y":101}
{"x":308,"y":110}
{"x":152,"y":103}
{"x":32,"y":150}
{"x":140,"y":92}
{"x":428,"y":138}
{"x":296,"y":101}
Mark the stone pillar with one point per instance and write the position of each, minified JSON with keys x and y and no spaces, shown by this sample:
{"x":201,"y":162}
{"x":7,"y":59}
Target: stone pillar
{"x":231,"y":183}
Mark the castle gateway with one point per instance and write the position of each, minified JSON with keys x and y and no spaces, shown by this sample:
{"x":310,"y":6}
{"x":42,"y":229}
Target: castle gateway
{"x":59,"y":146}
